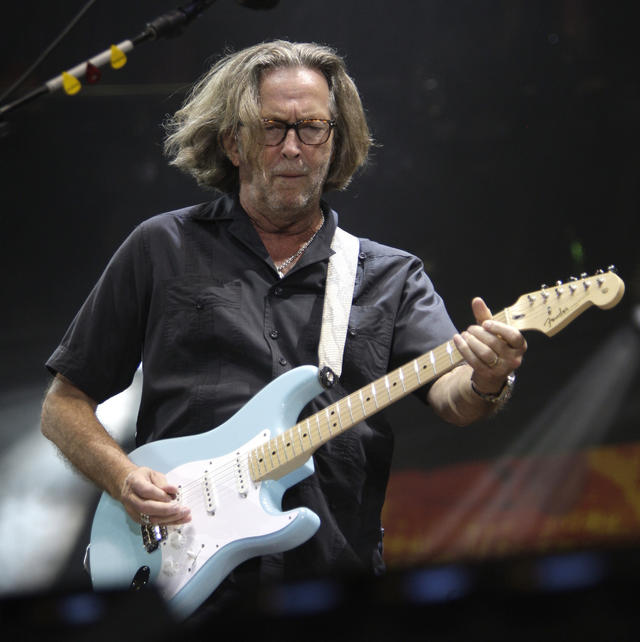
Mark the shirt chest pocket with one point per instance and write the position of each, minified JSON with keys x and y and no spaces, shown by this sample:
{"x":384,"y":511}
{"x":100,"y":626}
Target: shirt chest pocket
{"x":368,"y":344}
{"x":201,"y":322}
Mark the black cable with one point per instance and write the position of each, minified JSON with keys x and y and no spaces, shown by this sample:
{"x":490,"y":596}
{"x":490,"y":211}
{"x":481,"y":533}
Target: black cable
{"x":47,"y":51}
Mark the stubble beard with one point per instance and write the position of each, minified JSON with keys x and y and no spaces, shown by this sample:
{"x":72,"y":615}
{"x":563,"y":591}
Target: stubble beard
{"x":288,"y":205}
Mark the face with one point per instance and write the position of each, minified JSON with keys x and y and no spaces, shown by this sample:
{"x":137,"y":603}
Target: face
{"x":289,"y":184}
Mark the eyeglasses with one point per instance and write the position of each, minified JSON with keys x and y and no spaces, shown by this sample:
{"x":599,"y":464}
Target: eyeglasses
{"x":310,"y":131}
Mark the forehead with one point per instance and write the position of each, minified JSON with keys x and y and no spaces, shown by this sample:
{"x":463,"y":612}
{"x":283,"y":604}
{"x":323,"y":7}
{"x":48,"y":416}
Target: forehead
{"x":294,"y":89}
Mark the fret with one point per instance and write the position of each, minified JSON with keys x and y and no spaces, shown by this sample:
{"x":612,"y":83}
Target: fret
{"x":265,"y":456}
{"x":309,"y":433}
{"x":350,"y":411}
{"x":416,"y":367}
{"x":259,"y":463}
{"x":326,"y":412}
{"x":290,"y":437}
{"x":364,"y":410}
{"x":273,"y":451}
{"x":338,"y":413}
{"x":373,"y":393}
{"x":283,"y":446}
{"x":450,"y":351}
{"x":262,"y":458}
{"x":253,"y":469}
{"x":386,"y":384}
{"x":305,"y":435}
{"x":401,"y":377}
{"x":317,"y":416}
{"x":289,"y":451}
{"x":339,"y":427}
{"x":433,"y":362}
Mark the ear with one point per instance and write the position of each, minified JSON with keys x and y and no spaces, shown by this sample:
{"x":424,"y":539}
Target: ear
{"x":230,"y":145}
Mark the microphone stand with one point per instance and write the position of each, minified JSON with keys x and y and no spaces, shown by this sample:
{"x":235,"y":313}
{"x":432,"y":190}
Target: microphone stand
{"x":169,"y":24}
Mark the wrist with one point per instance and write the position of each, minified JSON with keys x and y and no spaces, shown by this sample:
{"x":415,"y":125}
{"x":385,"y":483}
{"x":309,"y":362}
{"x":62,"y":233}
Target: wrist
{"x":501,"y":396}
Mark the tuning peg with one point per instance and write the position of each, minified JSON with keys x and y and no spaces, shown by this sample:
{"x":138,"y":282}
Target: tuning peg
{"x":583,"y":275}
{"x":572,"y":278}
{"x":612,"y":268}
{"x":599,"y":271}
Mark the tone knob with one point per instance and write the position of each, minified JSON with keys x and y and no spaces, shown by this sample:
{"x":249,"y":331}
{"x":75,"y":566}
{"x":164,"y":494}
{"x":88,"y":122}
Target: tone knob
{"x":176,"y":539}
{"x":170,"y":567}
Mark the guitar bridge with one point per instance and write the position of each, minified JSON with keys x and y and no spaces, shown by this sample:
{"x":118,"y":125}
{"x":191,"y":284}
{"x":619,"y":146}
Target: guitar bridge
{"x":152,"y":536}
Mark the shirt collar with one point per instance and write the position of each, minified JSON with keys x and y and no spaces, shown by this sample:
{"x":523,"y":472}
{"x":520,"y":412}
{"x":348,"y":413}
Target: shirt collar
{"x":228,"y":208}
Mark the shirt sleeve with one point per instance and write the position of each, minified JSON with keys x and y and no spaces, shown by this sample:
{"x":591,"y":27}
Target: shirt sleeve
{"x":423,"y":322}
{"x":102,"y":347}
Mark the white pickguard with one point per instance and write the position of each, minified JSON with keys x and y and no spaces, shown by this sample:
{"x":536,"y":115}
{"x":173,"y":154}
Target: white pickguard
{"x":225,"y":507}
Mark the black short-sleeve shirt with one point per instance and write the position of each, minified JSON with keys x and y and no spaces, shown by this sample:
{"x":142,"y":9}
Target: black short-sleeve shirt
{"x":195,"y":297}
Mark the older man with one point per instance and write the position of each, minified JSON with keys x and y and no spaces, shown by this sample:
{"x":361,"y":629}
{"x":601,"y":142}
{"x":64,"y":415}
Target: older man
{"x":218,"y":299}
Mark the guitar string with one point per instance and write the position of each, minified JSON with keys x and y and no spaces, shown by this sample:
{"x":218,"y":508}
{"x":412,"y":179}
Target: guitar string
{"x":198,"y":500}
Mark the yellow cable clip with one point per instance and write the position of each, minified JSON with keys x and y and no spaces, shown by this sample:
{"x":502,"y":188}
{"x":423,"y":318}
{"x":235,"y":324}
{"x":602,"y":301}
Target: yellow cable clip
{"x":118,"y":57}
{"x":70,"y":83}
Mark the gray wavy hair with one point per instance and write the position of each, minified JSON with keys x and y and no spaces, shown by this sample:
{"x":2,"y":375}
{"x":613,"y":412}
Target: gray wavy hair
{"x":229,"y":94}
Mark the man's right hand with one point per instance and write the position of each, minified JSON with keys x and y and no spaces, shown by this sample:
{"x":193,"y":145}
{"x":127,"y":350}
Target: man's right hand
{"x":146,"y":493}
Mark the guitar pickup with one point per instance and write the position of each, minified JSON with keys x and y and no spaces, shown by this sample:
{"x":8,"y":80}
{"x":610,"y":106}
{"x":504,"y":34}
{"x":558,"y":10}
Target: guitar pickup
{"x":208,"y":487}
{"x":242,"y":476}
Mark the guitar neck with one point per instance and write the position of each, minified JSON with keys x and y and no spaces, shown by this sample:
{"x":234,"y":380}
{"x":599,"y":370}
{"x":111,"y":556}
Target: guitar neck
{"x":547,"y":310}
{"x":288,"y":450}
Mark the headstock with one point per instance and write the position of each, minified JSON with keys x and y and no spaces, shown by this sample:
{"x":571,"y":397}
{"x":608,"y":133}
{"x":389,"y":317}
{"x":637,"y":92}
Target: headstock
{"x":552,"y":308}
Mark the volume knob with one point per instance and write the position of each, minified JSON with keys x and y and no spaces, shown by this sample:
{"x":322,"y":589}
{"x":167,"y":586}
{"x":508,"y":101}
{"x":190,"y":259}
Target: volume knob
{"x":176,"y":539}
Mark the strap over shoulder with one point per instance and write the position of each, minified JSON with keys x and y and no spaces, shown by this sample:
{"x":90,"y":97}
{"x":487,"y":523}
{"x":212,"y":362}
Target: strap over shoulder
{"x":341,"y":276}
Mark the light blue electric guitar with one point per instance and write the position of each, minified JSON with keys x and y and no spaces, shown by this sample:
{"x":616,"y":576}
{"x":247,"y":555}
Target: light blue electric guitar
{"x":233,"y":477}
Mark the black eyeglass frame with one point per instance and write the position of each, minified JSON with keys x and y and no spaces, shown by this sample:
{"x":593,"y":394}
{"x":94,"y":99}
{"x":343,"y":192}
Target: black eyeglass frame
{"x":298,"y":123}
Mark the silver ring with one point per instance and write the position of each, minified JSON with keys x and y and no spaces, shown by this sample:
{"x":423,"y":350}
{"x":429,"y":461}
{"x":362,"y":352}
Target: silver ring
{"x":145,"y":519}
{"x":494,"y":363}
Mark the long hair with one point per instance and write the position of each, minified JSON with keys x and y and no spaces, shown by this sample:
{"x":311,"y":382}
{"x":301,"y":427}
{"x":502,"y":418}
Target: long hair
{"x":229,"y":94}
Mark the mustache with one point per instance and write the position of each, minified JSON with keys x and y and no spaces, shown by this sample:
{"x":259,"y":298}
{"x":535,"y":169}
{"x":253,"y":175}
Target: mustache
{"x":287,"y":168}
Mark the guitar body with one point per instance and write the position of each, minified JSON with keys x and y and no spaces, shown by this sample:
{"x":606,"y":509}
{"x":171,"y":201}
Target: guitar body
{"x":233,"y":517}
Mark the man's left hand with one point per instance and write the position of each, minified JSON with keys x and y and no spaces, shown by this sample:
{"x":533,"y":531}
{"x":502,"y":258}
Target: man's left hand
{"x":493,"y":349}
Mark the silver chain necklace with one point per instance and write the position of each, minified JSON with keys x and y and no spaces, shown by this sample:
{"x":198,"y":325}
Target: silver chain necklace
{"x":280,"y":268}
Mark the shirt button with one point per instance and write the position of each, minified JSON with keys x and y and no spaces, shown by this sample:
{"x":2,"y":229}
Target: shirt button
{"x":352,"y":332}
{"x":274,"y":334}
{"x":277,"y":290}
{"x":362,"y":256}
{"x":282,"y":361}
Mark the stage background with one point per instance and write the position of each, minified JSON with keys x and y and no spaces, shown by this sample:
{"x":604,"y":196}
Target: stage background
{"x":508,"y":156}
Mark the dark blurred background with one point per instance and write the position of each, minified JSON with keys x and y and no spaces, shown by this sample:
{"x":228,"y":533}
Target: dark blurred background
{"x":508,"y":156}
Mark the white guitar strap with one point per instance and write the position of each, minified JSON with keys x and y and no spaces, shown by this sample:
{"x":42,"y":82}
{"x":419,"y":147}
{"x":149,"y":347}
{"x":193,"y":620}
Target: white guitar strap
{"x":341,"y":277}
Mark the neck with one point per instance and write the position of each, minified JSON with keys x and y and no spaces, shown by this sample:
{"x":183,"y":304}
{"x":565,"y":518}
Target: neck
{"x":286,"y":244}
{"x":286,"y":224}
{"x":283,"y":233}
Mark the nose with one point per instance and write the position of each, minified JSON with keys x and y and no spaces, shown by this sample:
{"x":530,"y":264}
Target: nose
{"x":291,"y":144}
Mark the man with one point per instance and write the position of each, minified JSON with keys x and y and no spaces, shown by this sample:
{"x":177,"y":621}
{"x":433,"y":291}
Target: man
{"x":220,"y":298}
